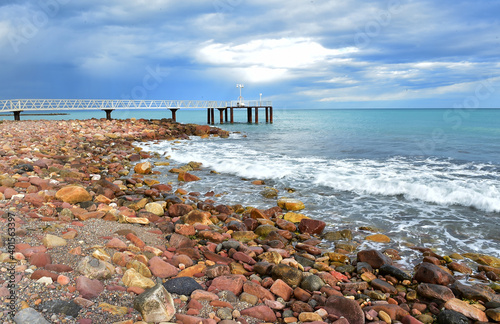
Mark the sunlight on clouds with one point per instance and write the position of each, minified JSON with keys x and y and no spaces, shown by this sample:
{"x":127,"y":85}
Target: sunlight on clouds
{"x":269,"y":58}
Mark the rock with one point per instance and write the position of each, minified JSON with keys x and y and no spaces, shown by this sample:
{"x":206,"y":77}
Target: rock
{"x":187,"y":177}
{"x":140,"y":267}
{"x":459,"y":267}
{"x":432,"y":291}
{"x":294,"y":217}
{"x":291,"y":276}
{"x":73,"y":194}
{"x":451,"y":317}
{"x":396,"y":312}
{"x":29,"y":315}
{"x":95,"y":269}
{"x":62,"y":307}
{"x":466,"y":309}
{"x":132,"y":278}
{"x":155,"y":305}
{"x":484,"y":259}
{"x":343,"y":307}
{"x":408,"y":319}
{"x":178,"y":210}
{"x":155,"y":208}
{"x":290,"y":204}
{"x":269,"y":192}
{"x":162,"y":269}
{"x":476,"y":292}
{"x":117,"y":244}
{"x":383,"y":286}
{"x":180,"y":241}
{"x":261,"y":312}
{"x":431,"y":273}
{"x":309,"y":317}
{"x":397,"y":273}
{"x":143,"y":168}
{"x":244,"y":236}
{"x":217,"y":271}
{"x":494,"y":314}
{"x":40,"y":259}
{"x":233,"y":283}
{"x":182,"y":286}
{"x":200,"y":294}
{"x":312,"y":283}
{"x":58,"y":268}
{"x":374,"y":258}
{"x":51,"y":241}
{"x":39,"y":273}
{"x":197,"y":217}
{"x":281,"y":289}
{"x":257,"y":290}
{"x":88,"y":288}
{"x":380,"y":238}
{"x":311,"y":226}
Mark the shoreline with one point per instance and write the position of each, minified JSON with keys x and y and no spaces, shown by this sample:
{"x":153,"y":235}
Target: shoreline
{"x":70,"y":193}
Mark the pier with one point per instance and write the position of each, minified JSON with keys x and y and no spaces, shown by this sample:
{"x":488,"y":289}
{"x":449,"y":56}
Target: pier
{"x":225,"y":108}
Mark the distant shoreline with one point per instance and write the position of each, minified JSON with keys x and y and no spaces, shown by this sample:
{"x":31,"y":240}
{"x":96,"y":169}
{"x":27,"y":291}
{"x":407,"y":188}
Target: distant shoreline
{"x":51,"y":114}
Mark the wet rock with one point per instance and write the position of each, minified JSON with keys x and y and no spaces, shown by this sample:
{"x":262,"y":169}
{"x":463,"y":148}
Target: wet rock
{"x":374,"y":258}
{"x":451,"y":317}
{"x":397,"y":273}
{"x":182,"y":286}
{"x":197,"y":217}
{"x":73,"y":194}
{"x":494,"y":314}
{"x":484,"y":259}
{"x":311,"y":226}
{"x":143,"y":168}
{"x":347,"y":308}
{"x":155,"y":305}
{"x":291,"y":276}
{"x":89,"y":288}
{"x":290,"y":204}
{"x":29,"y":315}
{"x":380,"y":238}
{"x":178,"y":210}
{"x":476,"y":292}
{"x":187,"y":177}
{"x":260,"y":312}
{"x":432,"y":291}
{"x":383,"y":286}
{"x":466,"y":309}
{"x":431,"y":273}
{"x":69,"y":308}
{"x":459,"y":267}
{"x":312,"y":283}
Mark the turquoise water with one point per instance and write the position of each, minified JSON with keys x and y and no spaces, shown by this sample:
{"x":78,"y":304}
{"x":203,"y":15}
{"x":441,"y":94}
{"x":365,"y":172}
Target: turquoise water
{"x":425,"y":177}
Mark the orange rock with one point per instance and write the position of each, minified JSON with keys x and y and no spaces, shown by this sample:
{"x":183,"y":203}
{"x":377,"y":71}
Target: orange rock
{"x":73,"y":194}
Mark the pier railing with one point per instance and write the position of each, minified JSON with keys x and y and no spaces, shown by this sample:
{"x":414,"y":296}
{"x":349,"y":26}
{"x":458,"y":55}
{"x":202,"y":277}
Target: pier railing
{"x":112,"y":104}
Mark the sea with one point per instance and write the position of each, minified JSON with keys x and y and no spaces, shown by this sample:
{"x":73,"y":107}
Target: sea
{"x":423,"y":177}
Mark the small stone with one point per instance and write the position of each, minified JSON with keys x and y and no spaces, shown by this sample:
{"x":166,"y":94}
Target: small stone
{"x":290,"y":204}
{"x":233,"y":283}
{"x":380,"y":238}
{"x":29,"y":315}
{"x":312,"y":283}
{"x":69,"y":308}
{"x":432,"y":291}
{"x":291,"y":276}
{"x":281,"y":289}
{"x":260,"y":312}
{"x":385,"y":317}
{"x":343,"y":307}
{"x":73,"y":194}
{"x":309,"y":317}
{"x":431,"y":273}
{"x":374,"y":258}
{"x":133,"y":278}
{"x":155,"y":208}
{"x":89,"y":288}
{"x":143,"y":168}
{"x":182,"y":286}
{"x":51,"y":241}
{"x":451,"y":317}
{"x":155,"y":304}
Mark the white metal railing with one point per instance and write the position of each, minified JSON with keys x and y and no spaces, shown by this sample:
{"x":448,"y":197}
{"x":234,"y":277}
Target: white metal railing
{"x":93,"y":104}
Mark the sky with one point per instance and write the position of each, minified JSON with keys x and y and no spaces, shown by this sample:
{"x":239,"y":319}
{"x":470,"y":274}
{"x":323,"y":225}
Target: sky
{"x":297,"y":53}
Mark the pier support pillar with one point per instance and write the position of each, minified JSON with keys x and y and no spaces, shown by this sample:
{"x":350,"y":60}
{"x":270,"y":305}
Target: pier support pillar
{"x":256,"y":115}
{"x":108,"y":113}
{"x":271,"y":114}
{"x":231,"y":110}
{"x":212,"y":116}
{"x":225,"y":115}
{"x":267,"y":115}
{"x":221,"y":114}
{"x":174,"y":117}
{"x":249,"y":115}
{"x":208,"y":116}
{"x":17,"y":114}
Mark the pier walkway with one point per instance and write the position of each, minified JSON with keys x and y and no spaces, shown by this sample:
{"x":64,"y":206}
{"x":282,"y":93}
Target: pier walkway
{"x":226,"y":108}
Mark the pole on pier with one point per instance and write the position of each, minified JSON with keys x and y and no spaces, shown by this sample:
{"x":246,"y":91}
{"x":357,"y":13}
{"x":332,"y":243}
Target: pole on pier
{"x":267,"y":115}
{"x":208,"y":116}
{"x":225,"y":113}
{"x":17,"y":114}
{"x":173,"y":114}
{"x":249,"y":115}
{"x":271,"y":114}
{"x":108,"y":113}
{"x":221,"y":113}
{"x":212,"y":116}
{"x":256,"y":115}
{"x":231,"y":110}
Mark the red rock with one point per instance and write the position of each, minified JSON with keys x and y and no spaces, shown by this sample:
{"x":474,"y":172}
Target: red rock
{"x":308,"y":248}
{"x":187,"y":177}
{"x":194,"y":304}
{"x":58,"y":268}
{"x":217,"y":271}
{"x":374,"y":258}
{"x":180,"y":241}
{"x":301,"y":294}
{"x":408,"y":319}
{"x":9,"y":192}
{"x":431,"y":273}
{"x":394,"y":311}
{"x":261,"y":312}
{"x":199,"y":294}
{"x":35,"y":199}
{"x":135,"y":240}
{"x":89,"y":215}
{"x":63,"y":280}
{"x":240,"y":256}
{"x":135,"y":290}
{"x":177,"y":210}
{"x":233,"y":283}
{"x":257,"y":290}
{"x":181,"y":258}
{"x":217,"y":258}
{"x":212,"y":236}
{"x":188,"y":319}
{"x":40,"y":259}
{"x":185,"y":229}
{"x":89,"y":288}
{"x":162,"y":269}
{"x":37,"y":274}
{"x":384,"y":286}
{"x":348,"y":308}
{"x":117,"y":244}
{"x":286,"y":225}
{"x":432,"y":291}
{"x":311,"y":226}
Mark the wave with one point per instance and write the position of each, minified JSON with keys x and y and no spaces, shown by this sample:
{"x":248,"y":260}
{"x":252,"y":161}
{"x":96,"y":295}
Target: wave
{"x":436,"y":181}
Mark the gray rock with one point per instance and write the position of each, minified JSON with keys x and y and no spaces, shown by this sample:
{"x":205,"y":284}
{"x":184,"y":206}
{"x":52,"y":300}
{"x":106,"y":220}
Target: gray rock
{"x":93,"y":268}
{"x":448,"y":316}
{"x":31,"y":316}
{"x":227,"y":245}
{"x":155,"y":305}
{"x":62,"y":307}
{"x":305,"y":262}
{"x":182,"y":286}
{"x":338,"y":235}
{"x":312,"y":283}
{"x":225,"y":313}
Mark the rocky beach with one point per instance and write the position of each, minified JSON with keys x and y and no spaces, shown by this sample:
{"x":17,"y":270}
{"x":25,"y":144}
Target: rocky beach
{"x":90,"y":235}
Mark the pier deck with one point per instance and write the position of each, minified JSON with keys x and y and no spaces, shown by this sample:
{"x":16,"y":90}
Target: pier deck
{"x":17,"y":106}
